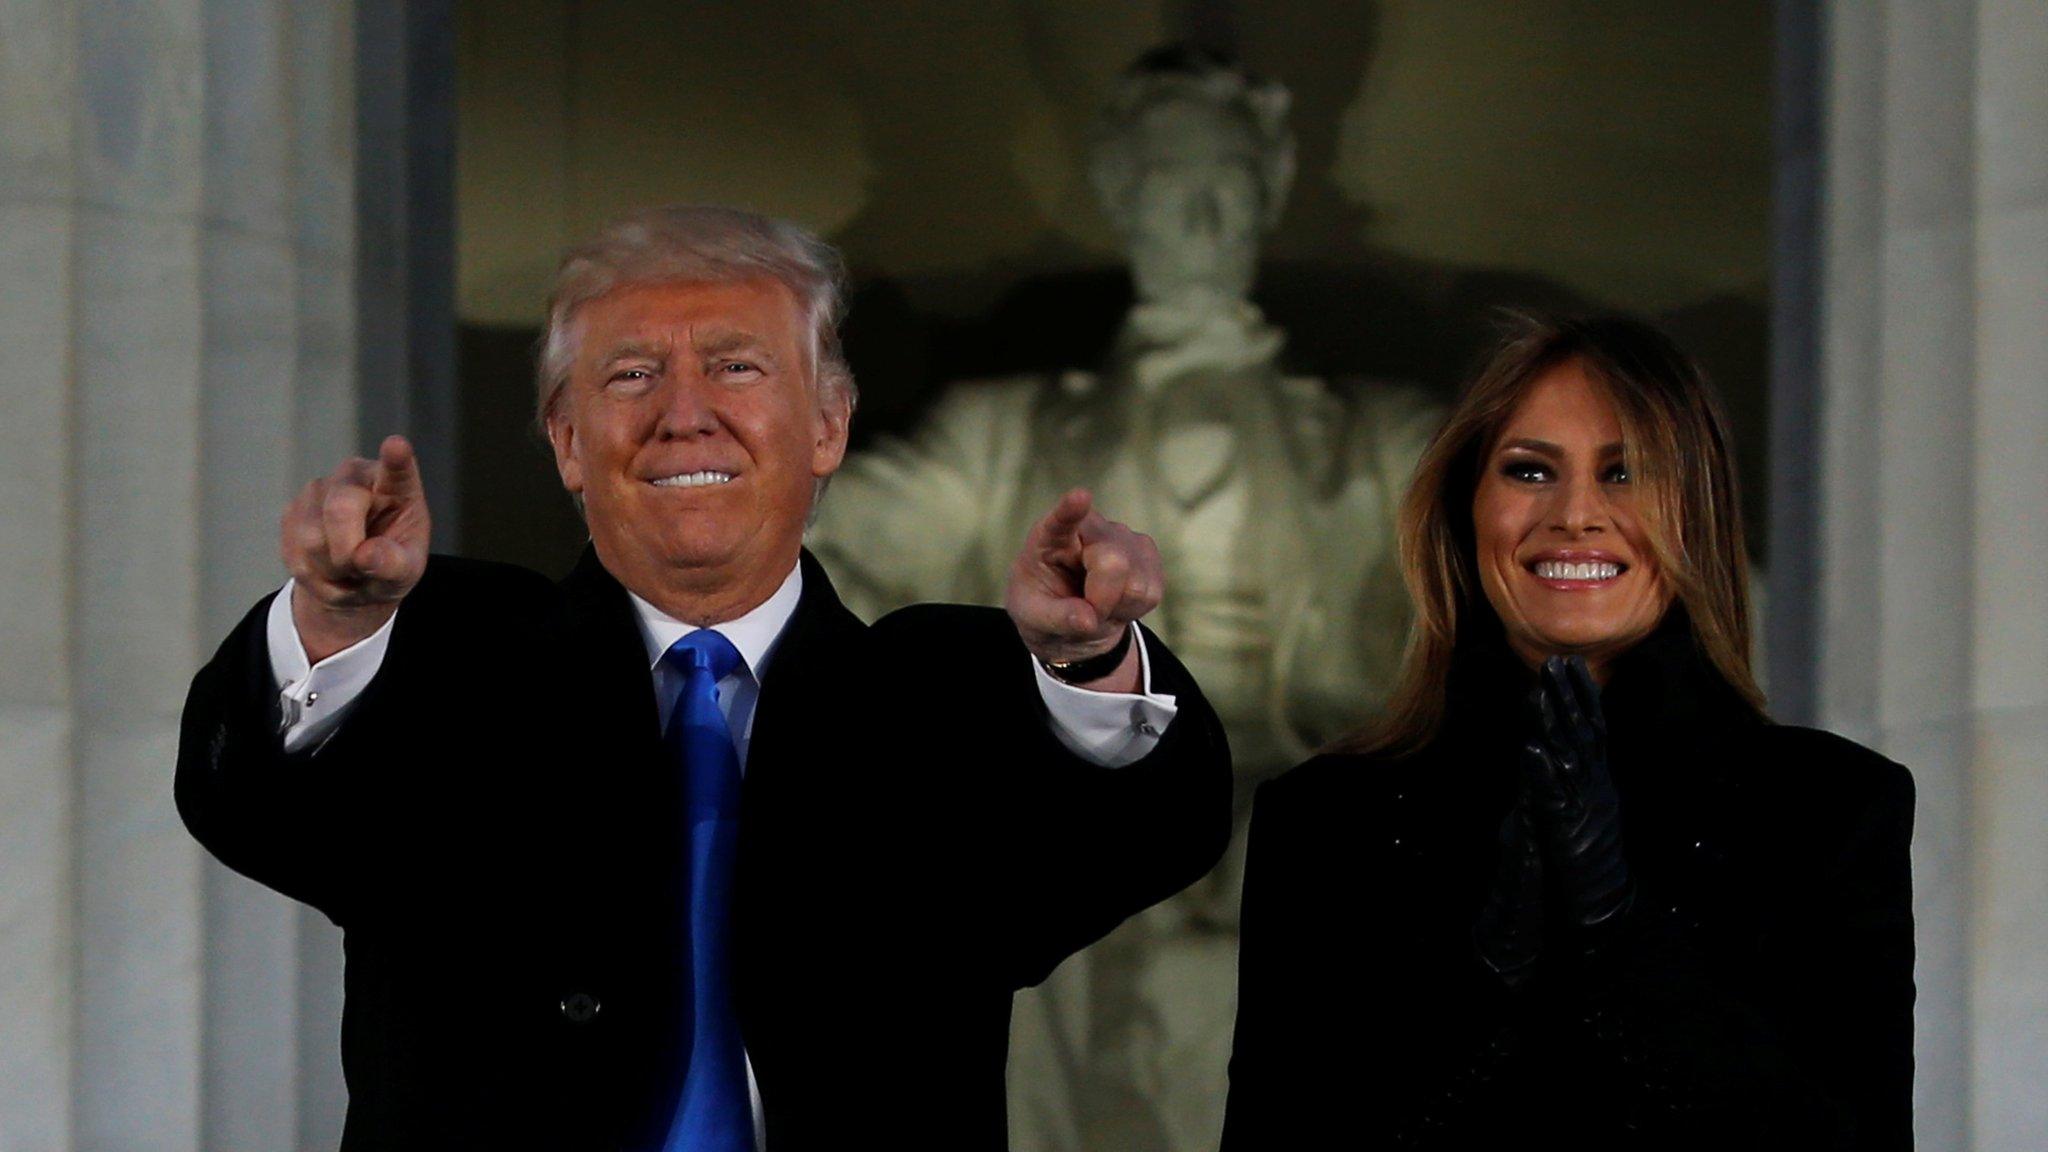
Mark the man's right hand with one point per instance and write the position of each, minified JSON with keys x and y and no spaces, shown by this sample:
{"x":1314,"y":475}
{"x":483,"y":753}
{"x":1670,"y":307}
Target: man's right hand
{"x":355,"y":543}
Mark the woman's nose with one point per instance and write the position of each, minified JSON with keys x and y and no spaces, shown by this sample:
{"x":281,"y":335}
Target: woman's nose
{"x":1580,"y":506}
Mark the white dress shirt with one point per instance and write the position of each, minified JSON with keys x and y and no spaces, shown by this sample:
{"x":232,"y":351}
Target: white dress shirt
{"x":1109,"y":729}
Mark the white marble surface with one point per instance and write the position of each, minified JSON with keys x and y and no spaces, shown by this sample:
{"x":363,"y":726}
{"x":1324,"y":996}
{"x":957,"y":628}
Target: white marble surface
{"x":35,"y":320}
{"x":322,"y":1096}
{"x":36,"y":929}
{"x":1935,"y":562}
{"x":2010,"y":936}
{"x":137,"y":106}
{"x":2009,"y":978}
{"x":1941,"y":758}
{"x":2011,"y":480}
{"x":36,"y":77}
{"x":139,"y":946}
{"x":323,"y":130}
{"x":324,"y":405}
{"x":173,"y":364}
{"x":135,"y":353}
{"x":248,"y":141}
{"x":37,"y":925}
{"x":249,"y":389}
{"x":249,"y":1013}
{"x":2012,"y":120}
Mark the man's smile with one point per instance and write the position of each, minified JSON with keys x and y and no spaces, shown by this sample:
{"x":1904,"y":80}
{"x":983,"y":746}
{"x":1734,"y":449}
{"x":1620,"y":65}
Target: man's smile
{"x":702,"y":479}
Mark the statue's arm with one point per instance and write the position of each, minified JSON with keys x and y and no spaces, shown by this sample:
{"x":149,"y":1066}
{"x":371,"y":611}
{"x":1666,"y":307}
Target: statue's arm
{"x":907,"y":519}
{"x":1400,"y":421}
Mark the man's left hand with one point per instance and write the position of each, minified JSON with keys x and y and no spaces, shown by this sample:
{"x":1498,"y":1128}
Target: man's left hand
{"x":1078,"y":585}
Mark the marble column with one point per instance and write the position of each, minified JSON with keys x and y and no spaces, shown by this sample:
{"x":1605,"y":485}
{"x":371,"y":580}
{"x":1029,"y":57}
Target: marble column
{"x":2009,"y":972}
{"x":38,"y":221}
{"x":1933,"y":558}
{"x":177,"y":248}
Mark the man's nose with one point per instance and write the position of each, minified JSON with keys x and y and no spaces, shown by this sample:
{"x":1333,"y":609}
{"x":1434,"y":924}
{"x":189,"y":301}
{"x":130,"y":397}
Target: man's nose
{"x":1204,"y":213}
{"x":686,"y":407}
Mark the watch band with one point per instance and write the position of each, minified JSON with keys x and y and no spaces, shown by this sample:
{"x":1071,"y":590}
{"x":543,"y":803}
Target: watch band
{"x":1090,"y":668}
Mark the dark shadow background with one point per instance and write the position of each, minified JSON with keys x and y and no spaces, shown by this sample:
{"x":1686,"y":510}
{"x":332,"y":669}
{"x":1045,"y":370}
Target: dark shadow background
{"x":940,"y":138}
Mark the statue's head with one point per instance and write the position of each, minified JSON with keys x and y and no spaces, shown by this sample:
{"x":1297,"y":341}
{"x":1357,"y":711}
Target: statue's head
{"x":1192,"y":159}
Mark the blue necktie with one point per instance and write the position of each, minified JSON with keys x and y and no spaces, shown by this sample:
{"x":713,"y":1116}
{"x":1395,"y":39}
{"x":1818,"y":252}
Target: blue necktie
{"x":714,"y":1114}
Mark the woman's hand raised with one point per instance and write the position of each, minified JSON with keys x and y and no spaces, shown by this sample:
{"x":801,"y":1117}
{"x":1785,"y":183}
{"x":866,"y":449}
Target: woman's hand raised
{"x":1571,"y":799}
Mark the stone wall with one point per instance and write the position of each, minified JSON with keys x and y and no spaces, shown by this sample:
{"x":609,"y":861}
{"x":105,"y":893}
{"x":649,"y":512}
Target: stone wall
{"x":1933,"y":413}
{"x":177,"y":245}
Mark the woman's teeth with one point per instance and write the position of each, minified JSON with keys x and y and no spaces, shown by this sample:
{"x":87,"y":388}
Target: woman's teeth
{"x":1560,"y":570}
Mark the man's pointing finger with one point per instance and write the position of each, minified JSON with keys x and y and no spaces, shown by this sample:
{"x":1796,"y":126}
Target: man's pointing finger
{"x":398,"y":470}
{"x":1061,"y":526}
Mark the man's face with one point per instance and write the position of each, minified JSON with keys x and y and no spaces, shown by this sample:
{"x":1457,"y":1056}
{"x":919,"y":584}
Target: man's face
{"x":693,"y":429}
{"x":1196,"y":210}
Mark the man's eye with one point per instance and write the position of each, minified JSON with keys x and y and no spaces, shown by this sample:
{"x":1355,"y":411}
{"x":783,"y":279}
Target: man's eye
{"x":737,"y":367}
{"x":631,"y":375}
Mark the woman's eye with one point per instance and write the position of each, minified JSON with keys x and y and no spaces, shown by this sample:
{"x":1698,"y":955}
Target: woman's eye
{"x":1527,"y":471}
{"x":1615,"y":474}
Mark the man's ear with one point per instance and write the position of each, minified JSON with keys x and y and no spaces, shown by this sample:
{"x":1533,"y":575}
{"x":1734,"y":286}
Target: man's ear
{"x":562,"y":438}
{"x":835,"y":419}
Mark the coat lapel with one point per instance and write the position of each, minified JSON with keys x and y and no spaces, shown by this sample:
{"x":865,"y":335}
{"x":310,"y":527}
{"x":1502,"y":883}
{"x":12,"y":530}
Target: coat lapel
{"x":612,"y":655}
{"x":809,"y":658}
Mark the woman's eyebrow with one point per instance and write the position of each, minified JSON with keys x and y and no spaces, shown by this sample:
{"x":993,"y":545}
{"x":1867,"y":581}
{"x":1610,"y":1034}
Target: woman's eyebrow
{"x":1546,"y":448}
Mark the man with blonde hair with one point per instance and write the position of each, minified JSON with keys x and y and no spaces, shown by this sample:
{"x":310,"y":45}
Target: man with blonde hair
{"x":678,"y":853}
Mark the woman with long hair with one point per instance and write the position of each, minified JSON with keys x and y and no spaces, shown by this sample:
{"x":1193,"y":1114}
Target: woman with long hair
{"x":1575,"y":887}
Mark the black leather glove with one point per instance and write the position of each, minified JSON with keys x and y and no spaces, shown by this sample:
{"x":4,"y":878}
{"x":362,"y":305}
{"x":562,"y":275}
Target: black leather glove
{"x":1509,"y":931}
{"x":1572,"y":803}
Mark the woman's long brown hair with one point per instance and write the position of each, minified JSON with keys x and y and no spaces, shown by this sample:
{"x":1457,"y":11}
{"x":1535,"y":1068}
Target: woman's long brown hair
{"x":1675,"y":445}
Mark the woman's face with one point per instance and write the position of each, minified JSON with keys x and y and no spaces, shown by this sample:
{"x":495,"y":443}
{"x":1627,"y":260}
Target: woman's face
{"x":1563,"y":554}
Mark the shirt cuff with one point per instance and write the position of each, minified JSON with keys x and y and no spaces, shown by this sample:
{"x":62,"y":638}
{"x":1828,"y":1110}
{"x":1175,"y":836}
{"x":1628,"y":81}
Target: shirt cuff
{"x":315,"y":697}
{"x":1108,"y":729}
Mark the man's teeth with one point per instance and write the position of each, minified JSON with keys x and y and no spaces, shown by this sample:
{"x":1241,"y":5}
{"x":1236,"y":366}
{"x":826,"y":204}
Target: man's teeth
{"x":1593,"y":570}
{"x":693,"y":480}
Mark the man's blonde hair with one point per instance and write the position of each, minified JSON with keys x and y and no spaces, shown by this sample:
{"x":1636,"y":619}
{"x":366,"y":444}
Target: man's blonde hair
{"x":697,"y":243}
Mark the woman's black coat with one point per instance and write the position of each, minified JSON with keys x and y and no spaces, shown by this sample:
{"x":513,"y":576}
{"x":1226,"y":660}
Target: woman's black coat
{"x":1760,"y":989}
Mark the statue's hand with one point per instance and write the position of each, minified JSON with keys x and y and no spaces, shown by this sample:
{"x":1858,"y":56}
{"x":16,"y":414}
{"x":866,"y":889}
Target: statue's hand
{"x":1080,"y":582}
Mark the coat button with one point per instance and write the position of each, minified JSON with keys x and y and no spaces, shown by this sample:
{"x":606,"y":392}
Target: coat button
{"x":580,"y":1007}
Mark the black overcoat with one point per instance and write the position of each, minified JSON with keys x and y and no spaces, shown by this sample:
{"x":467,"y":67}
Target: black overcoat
{"x":1759,"y":994}
{"x":496,"y":831}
